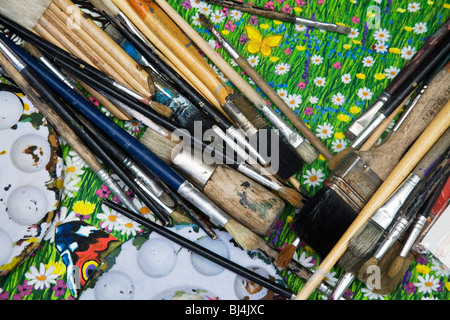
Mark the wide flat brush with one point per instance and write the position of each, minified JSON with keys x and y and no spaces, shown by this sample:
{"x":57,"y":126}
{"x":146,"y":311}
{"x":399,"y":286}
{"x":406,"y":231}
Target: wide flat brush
{"x":185,"y":189}
{"x":417,"y":151}
{"x":323,"y":219}
{"x":426,"y":50}
{"x":282,"y":16}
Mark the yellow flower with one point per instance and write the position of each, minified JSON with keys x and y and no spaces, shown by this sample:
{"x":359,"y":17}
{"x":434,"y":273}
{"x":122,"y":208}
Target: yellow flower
{"x":274,"y":59}
{"x":83,"y":207}
{"x":347,"y":46}
{"x":407,"y":28}
{"x":289,"y":219}
{"x":343,"y":117}
{"x":225,"y":32}
{"x":297,"y":9}
{"x":300,"y":48}
{"x":447,"y":5}
{"x":277,"y":22}
{"x":395,"y":50}
{"x":321,"y":157}
{"x":360,"y":76}
{"x":356,"y":42}
{"x":144,"y":210}
{"x":447,"y":286}
{"x":401,"y":10}
{"x":430,"y":2}
{"x":355,"y":110}
{"x":380,"y":76}
{"x":339,"y":135}
{"x":423,"y":269}
{"x":264,"y":26}
{"x":60,"y":268}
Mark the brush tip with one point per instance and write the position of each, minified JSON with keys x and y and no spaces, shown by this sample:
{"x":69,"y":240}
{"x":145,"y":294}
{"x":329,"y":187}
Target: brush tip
{"x":367,"y":266}
{"x":396,"y":266}
{"x":285,"y":256}
{"x":292,"y":196}
{"x":247,"y":239}
{"x":338,"y":157}
{"x":307,"y":152}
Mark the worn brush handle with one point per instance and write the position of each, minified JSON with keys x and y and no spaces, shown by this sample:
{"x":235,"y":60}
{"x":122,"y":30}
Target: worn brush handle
{"x":384,"y":158}
{"x":421,"y":146}
{"x":245,"y":200}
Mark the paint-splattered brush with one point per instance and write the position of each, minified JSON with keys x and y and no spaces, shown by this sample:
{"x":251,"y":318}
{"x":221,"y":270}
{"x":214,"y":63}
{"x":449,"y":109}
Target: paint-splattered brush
{"x":323,"y":219}
{"x":282,"y":16}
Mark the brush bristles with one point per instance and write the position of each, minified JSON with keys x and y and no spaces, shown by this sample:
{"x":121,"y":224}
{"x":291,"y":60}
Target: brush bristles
{"x":366,"y":239}
{"x":323,"y":220}
{"x":396,"y":266}
{"x":307,"y":152}
{"x":292,"y":196}
{"x":338,"y":157}
{"x":367,"y":266}
{"x":285,"y":256}
{"x":243,"y":236}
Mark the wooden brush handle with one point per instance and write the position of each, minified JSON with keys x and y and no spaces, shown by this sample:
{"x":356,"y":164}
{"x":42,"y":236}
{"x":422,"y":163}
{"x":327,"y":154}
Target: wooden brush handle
{"x":421,"y":146}
{"x":384,"y":158}
{"x":248,"y":202}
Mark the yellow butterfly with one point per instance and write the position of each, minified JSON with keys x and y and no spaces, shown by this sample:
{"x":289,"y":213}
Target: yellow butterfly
{"x":259,"y":44}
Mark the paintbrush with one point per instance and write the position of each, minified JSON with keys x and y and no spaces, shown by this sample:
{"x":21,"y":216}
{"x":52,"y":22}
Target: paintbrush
{"x":418,"y":149}
{"x":282,"y":16}
{"x":416,"y":229}
{"x":233,"y":104}
{"x":363,"y":244}
{"x":406,"y":216}
{"x":323,"y":219}
{"x":204,"y":252}
{"x":302,"y":146}
{"x":184,"y":188}
{"x":248,"y":202}
{"x":403,"y":77}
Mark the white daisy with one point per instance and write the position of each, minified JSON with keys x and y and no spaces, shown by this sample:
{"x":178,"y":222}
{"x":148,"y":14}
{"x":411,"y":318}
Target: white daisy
{"x":196,"y":3}
{"x":196,"y":19}
{"x":143,"y":209}
{"x":204,"y":8}
{"x":368,"y":61}
{"x":235,"y":15}
{"x":212,"y":43}
{"x":71,"y":186}
{"x":282,"y":93}
{"x":253,"y":60}
{"x":314,"y":177}
{"x":109,"y":218}
{"x":127,"y":227}
{"x":217,"y":17}
{"x":413,"y":6}
{"x":346,"y":78}
{"x":304,"y":260}
{"x":428,"y":284}
{"x":313,"y":99}
{"x":368,"y":292}
{"x":408,"y":52}
{"x":381,"y":35}
{"x":338,"y":99}
{"x":282,"y":68}
{"x":440,"y":269}
{"x":294,"y":100}
{"x":133,"y":125}
{"x":42,"y":278}
{"x":354,"y":33}
{"x":320,"y":81}
{"x":338,"y":145}
{"x":300,"y":27}
{"x":316,"y":59}
{"x":391,"y":72}
{"x":71,"y":169}
{"x":420,"y":27}
{"x":365,"y":93}
{"x":381,"y":47}
{"x":331,"y":278}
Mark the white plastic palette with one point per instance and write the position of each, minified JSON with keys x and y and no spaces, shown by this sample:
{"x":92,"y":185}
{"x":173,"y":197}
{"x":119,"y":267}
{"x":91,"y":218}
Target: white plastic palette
{"x":30,"y":178}
{"x":162,"y":270}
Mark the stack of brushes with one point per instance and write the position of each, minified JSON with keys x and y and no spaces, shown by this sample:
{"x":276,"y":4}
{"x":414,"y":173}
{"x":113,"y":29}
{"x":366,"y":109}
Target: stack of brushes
{"x":242,"y":195}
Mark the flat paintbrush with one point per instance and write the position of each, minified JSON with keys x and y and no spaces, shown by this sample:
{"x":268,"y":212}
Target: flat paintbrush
{"x":185,"y":189}
{"x":281,"y":15}
{"x":326,"y":216}
{"x":426,"y":50}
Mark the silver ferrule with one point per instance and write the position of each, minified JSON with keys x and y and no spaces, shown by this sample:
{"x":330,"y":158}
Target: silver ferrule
{"x":128,"y":91}
{"x":344,"y":282}
{"x":253,"y":174}
{"x":243,"y":147}
{"x":116,"y":189}
{"x":69,"y":81}
{"x":387,"y":212}
{"x":216,"y":215}
{"x":409,"y":109}
{"x":225,"y":44}
{"x":368,"y":131}
{"x":316,"y":24}
{"x":239,"y":118}
{"x":144,"y":177}
{"x":414,"y":234}
{"x":366,"y":117}
{"x":12,"y":57}
{"x":394,"y":234}
{"x":191,"y":166}
{"x":145,"y":188}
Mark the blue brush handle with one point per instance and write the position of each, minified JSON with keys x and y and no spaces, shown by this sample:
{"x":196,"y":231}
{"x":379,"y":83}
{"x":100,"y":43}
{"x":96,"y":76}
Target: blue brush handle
{"x":114,"y":131}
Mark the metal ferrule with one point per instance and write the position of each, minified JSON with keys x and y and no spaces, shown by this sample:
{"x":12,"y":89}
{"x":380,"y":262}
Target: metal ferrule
{"x":368,"y":131}
{"x":70,"y":82}
{"x":316,"y":24}
{"x":12,"y":57}
{"x":409,"y":109}
{"x":116,"y":189}
{"x":191,"y":166}
{"x":344,"y":282}
{"x":396,"y":231}
{"x":366,"y":117}
{"x":216,"y":215}
{"x":387,"y":212}
{"x":239,"y":118}
{"x":414,"y":234}
{"x":128,"y":91}
{"x":141,"y":175}
{"x":253,"y":174}
{"x":147,"y":190}
{"x":225,"y":44}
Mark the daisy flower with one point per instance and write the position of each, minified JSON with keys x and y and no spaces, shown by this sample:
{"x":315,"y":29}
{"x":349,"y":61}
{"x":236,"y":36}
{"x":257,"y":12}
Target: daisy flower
{"x":368,"y":292}
{"x":306,"y":261}
{"x":71,"y":186}
{"x":196,"y":3}
{"x":354,"y":33}
{"x":300,"y":27}
{"x":338,"y":99}
{"x":282,"y":93}
{"x":294,"y":100}
{"x":128,"y":227}
{"x":110,"y":218}
{"x":381,"y":35}
{"x":133,"y":125}
{"x":368,"y":61}
{"x":253,"y":60}
{"x":346,"y":78}
{"x":313,"y":99}
{"x":217,"y":17}
{"x":42,"y":278}
{"x":338,"y":145}
{"x":365,"y":93}
{"x":316,"y":59}
{"x":381,"y":47}
{"x":196,"y":19}
{"x":408,"y":52}
{"x":331,"y":278}
{"x":319,"y":81}
{"x":204,"y":8}
{"x":391,"y":72}
{"x":72,"y":169}
{"x":440,"y":269}
{"x":420,"y":27}
{"x":413,"y":6}
{"x":427,"y":284}
{"x":235,"y":15}
{"x":282,"y":68}
{"x":314,"y":177}
{"x":324,"y":131}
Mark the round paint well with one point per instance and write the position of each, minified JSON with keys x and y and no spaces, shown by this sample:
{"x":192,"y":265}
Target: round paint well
{"x":157,"y":257}
{"x":115,"y":285}
{"x":203,"y":265}
{"x":30,"y":153}
{"x":10,"y":109}
{"x":27,"y":205}
{"x":246,"y":289}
